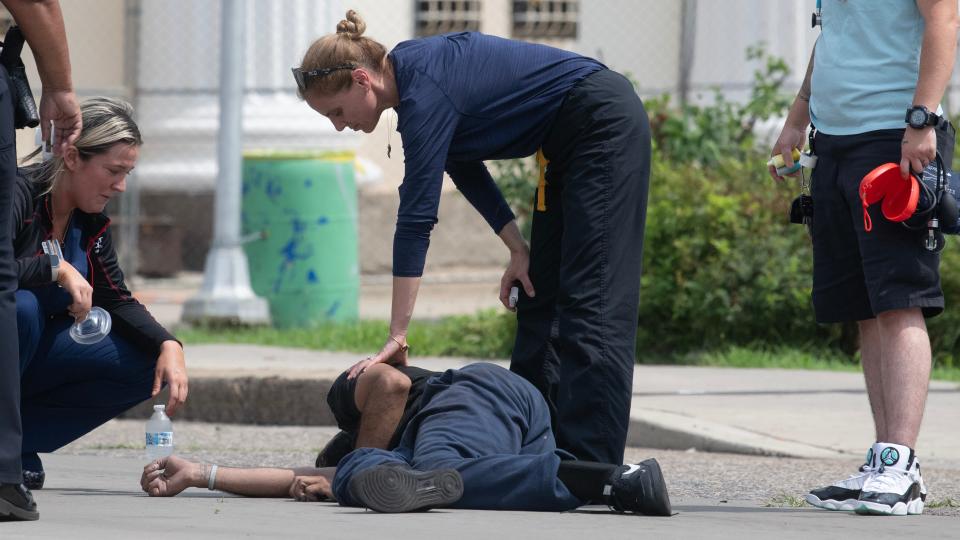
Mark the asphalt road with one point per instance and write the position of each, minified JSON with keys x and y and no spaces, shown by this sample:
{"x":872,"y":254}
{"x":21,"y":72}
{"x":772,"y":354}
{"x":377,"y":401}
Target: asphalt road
{"x":93,"y":492}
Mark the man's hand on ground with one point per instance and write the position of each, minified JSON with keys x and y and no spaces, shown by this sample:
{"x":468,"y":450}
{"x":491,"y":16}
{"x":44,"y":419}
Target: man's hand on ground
{"x":166,"y":477}
{"x":311,"y":489}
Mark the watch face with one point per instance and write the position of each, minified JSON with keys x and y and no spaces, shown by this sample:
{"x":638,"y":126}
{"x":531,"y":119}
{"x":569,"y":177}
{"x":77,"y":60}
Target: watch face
{"x":918,"y":117}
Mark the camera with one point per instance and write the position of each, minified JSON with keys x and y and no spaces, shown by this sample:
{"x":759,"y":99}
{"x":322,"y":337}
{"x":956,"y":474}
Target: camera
{"x":801,"y":210}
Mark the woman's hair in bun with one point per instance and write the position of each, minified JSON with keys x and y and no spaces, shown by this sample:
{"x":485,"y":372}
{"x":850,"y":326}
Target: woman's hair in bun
{"x":347,"y":47}
{"x":353,"y":26}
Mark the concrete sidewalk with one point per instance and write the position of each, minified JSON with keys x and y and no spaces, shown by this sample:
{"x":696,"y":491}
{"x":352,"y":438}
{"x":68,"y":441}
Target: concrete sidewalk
{"x":749,"y":411}
{"x":811,"y":414}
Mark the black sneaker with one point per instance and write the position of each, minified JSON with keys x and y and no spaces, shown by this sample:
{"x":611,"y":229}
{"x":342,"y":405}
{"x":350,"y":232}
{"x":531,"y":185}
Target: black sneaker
{"x":34,"y":479}
{"x":398,"y":488}
{"x":16,"y":503}
{"x":339,"y":446}
{"x":639,"y":488}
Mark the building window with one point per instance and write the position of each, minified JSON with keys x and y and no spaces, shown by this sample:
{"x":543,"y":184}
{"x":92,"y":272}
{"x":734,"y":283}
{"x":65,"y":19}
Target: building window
{"x":442,"y":16}
{"x":534,"y":19}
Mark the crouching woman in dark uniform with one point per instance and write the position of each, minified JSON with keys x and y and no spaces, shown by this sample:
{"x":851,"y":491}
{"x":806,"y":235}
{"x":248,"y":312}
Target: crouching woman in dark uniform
{"x":68,"y":389}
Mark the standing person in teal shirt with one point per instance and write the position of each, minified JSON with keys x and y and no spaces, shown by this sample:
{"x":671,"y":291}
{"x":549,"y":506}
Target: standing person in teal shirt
{"x":468,"y":97}
{"x":872,"y":92}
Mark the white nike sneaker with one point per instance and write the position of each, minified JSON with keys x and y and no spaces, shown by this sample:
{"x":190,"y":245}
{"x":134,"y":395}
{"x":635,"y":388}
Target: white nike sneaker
{"x":896,"y":487}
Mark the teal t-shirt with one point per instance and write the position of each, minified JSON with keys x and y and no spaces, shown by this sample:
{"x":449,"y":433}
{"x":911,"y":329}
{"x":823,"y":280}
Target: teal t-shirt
{"x":866,"y":64}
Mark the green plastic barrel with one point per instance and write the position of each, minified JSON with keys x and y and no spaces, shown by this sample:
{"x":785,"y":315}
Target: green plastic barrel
{"x":305,"y":263}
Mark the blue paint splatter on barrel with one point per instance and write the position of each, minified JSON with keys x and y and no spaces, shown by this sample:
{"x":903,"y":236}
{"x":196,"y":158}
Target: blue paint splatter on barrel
{"x":332,"y":310}
{"x":273,"y":189}
{"x":312,"y":276}
{"x":322,"y":220}
{"x":293,"y":250}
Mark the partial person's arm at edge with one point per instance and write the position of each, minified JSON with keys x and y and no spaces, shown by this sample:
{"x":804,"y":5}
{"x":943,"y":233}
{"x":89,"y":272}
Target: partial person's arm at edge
{"x":42,"y":24}
{"x":919,"y":146}
{"x":938,"y":51}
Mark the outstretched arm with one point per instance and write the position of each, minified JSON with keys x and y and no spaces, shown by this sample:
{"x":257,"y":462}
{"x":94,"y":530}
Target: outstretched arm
{"x":166,"y":477}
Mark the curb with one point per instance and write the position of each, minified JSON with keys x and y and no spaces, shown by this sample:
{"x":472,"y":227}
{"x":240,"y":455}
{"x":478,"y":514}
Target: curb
{"x":650,"y":428}
{"x":285,"y":401}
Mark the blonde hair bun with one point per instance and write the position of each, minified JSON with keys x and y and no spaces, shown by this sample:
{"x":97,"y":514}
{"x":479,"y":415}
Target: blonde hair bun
{"x":353,"y":26}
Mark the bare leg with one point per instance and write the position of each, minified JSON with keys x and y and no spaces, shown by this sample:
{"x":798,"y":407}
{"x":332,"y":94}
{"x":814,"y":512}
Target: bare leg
{"x":870,"y":358}
{"x":381,"y":397}
{"x":906,"y":373}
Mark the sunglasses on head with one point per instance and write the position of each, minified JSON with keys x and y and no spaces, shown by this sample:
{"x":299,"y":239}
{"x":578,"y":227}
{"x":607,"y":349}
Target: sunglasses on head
{"x":303,"y":77}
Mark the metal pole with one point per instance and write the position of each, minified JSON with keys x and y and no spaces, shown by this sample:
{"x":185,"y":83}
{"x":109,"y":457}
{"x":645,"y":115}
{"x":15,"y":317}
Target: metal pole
{"x":688,"y":34}
{"x":226,"y":296}
{"x":130,"y":202}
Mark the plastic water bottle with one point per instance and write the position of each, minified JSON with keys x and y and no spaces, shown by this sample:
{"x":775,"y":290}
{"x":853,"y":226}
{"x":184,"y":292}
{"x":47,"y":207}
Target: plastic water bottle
{"x":92,"y":329}
{"x":159,"y":434}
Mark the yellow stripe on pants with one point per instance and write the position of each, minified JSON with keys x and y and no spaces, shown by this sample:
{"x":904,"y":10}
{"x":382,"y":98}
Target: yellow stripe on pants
{"x":542,"y":184}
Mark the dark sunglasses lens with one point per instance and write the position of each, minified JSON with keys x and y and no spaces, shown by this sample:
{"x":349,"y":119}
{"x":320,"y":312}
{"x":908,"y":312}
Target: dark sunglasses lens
{"x":298,"y":76}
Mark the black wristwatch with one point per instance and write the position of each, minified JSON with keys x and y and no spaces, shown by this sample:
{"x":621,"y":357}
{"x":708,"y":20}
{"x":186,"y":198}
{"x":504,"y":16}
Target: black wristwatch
{"x":919,"y":117}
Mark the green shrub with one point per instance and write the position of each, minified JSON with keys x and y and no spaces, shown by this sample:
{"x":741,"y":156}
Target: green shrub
{"x":945,"y":328}
{"x":721,"y":130}
{"x":722,"y":265}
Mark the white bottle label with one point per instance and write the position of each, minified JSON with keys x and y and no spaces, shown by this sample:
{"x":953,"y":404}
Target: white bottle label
{"x":160,"y":438}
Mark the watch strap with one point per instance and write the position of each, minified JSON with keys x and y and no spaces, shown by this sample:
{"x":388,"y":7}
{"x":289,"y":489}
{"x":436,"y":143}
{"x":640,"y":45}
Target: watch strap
{"x":52,"y":249}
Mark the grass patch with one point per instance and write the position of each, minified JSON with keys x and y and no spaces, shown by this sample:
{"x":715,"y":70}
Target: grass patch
{"x":785,"y":501}
{"x":944,"y":503}
{"x":487,"y":334}
{"x":118,"y":446}
{"x":779,"y":357}
{"x":490,"y":334}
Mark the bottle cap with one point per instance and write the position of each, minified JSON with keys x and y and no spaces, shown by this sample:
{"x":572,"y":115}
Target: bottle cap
{"x":92,"y":329}
{"x":159,"y":407}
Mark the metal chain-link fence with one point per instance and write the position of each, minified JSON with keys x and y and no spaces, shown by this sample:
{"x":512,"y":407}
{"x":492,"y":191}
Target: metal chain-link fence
{"x":163,"y":56}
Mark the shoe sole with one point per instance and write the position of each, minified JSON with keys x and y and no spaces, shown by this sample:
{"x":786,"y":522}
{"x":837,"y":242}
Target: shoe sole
{"x":662,"y":506}
{"x":847,"y":505}
{"x":867,"y":508}
{"x":396,"y":489}
{"x":9,"y":510}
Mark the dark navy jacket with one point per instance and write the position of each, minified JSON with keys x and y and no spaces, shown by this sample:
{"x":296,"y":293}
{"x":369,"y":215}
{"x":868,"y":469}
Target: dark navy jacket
{"x":465,"y":98}
{"x":32,"y":225}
